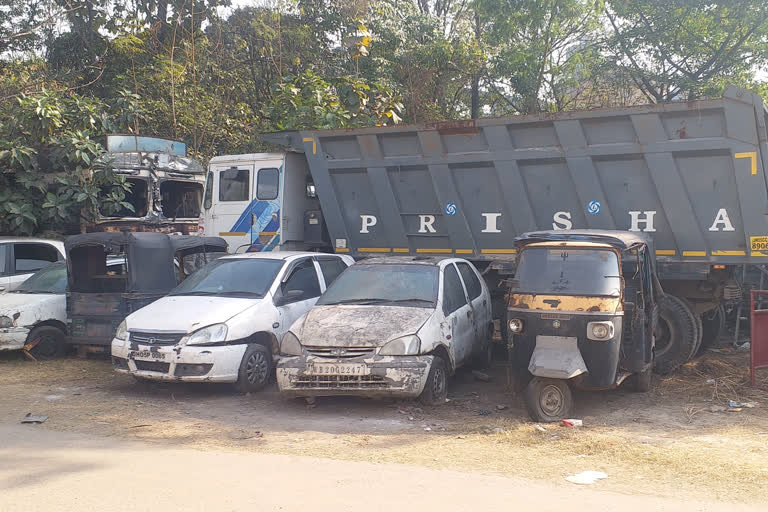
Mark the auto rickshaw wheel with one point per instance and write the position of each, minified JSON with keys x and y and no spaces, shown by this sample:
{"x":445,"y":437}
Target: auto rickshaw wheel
{"x":548,"y":400}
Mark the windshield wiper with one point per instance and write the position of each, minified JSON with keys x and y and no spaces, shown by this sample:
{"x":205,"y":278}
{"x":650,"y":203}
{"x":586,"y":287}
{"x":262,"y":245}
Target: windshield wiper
{"x":414,"y":299}
{"x":363,"y":302}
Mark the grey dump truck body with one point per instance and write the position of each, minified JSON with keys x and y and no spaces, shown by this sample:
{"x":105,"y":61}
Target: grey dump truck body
{"x":691,"y":174}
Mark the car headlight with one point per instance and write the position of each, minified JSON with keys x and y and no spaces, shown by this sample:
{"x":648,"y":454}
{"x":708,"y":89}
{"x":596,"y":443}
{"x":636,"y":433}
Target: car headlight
{"x":404,"y":346}
{"x":290,"y":345}
{"x":122,"y":331}
{"x":212,"y":334}
{"x":5,"y":322}
{"x":515,"y":326}
{"x":600,"y":331}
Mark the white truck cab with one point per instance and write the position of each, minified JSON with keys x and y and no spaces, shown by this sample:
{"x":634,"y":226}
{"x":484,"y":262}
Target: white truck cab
{"x":223,"y":323}
{"x":262,"y":202}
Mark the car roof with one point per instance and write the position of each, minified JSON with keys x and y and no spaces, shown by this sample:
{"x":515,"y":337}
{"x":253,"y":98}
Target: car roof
{"x":13,"y":239}
{"x":276,"y":255}
{"x":407,"y":260}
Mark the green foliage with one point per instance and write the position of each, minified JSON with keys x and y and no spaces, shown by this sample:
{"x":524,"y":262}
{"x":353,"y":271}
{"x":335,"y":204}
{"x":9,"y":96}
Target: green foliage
{"x":52,"y":171}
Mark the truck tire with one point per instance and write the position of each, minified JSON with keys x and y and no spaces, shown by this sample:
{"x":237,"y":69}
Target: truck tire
{"x":255,"y":369}
{"x":713,"y":323}
{"x":676,"y":335}
{"x":436,"y":388}
{"x":548,"y":400}
{"x":49,"y":342}
{"x":699,"y":328}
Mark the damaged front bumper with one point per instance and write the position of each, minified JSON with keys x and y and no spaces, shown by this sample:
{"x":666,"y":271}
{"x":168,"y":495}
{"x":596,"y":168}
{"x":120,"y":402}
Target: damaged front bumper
{"x":13,"y":338}
{"x":375,"y":376}
{"x":178,"y":363}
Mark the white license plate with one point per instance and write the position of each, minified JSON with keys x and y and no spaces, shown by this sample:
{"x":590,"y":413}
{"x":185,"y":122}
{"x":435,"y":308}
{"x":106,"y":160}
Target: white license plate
{"x":145,"y":354}
{"x":337,"y":369}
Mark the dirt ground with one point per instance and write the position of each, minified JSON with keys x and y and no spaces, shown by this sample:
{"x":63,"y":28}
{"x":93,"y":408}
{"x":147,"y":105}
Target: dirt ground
{"x":677,"y":440}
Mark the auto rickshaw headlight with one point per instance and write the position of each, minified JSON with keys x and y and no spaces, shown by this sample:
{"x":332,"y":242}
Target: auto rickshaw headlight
{"x":515,"y":326}
{"x":600,"y":331}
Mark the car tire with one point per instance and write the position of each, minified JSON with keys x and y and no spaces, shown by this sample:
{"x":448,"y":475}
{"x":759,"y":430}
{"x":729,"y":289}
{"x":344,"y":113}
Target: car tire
{"x":255,"y":369}
{"x":676,"y":335}
{"x":436,"y":389}
{"x":51,"y":344}
{"x":548,"y":400}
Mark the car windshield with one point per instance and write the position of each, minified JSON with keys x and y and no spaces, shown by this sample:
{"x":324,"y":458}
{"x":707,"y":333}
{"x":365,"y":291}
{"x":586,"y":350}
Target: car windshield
{"x":51,"y":279}
{"x":401,"y":285}
{"x":568,"y":271}
{"x":232,"y":277}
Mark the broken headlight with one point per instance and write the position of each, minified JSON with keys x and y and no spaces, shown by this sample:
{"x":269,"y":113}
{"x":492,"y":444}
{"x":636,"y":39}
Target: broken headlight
{"x":212,"y":334}
{"x":404,"y":346}
{"x":290,"y":346}
{"x":5,"y":322}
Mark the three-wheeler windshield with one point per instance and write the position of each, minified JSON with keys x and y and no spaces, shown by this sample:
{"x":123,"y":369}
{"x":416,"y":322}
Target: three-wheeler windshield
{"x":568,"y":271}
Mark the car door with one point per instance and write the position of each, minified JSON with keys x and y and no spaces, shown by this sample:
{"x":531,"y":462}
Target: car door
{"x":478,"y":300}
{"x":27,"y":258}
{"x":458,"y":314}
{"x":297,"y":292}
{"x":4,"y":267}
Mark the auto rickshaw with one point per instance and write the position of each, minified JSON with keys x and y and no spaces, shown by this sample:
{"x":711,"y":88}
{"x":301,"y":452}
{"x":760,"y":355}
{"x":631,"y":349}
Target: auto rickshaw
{"x":100,"y":296}
{"x":581,"y":313}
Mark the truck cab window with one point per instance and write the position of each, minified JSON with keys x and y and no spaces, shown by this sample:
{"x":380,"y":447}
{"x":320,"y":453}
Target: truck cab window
{"x":138,"y":197}
{"x":267,"y":182}
{"x":233,"y":184}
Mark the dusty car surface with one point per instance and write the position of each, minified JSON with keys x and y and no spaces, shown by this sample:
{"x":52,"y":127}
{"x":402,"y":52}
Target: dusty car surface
{"x":22,"y":257}
{"x":223,"y":323}
{"x":389,"y":327}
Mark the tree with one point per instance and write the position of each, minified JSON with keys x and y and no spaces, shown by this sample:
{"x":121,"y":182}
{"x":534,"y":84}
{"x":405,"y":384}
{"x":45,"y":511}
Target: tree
{"x":677,"y":49}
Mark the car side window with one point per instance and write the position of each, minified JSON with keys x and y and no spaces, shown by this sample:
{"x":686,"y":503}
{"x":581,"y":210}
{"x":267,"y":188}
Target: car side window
{"x":3,"y":249}
{"x":332,"y":268}
{"x":453,"y":292}
{"x":302,"y":283}
{"x":32,"y":257}
{"x":471,"y":281}
{"x":233,"y":184}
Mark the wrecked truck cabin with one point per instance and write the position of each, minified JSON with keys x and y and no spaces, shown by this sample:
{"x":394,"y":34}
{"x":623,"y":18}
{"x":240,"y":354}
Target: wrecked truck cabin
{"x":166,"y":186}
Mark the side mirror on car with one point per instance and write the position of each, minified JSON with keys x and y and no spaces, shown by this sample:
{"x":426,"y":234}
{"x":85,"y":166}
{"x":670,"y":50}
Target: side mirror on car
{"x":289,"y":296}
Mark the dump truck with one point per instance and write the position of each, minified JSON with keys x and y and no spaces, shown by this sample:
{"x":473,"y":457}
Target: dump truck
{"x":689,"y":174}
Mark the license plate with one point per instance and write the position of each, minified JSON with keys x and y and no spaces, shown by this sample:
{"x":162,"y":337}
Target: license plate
{"x":337,"y":369}
{"x":145,"y":354}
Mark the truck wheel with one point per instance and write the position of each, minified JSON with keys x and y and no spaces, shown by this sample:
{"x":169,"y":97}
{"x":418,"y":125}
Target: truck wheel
{"x":255,"y":369}
{"x":48,"y":340}
{"x":699,"y":328}
{"x":548,"y":400}
{"x":436,"y":388}
{"x":713,"y":323}
{"x":676,"y":335}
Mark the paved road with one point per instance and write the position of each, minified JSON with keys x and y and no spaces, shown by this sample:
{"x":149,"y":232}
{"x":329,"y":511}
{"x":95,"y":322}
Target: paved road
{"x":43,"y":470}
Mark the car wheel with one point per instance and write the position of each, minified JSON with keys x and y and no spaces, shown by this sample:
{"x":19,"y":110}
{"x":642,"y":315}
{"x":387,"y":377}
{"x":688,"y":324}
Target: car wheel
{"x":255,"y":369}
{"x":436,"y":389}
{"x":47,"y":342}
{"x":548,"y":400}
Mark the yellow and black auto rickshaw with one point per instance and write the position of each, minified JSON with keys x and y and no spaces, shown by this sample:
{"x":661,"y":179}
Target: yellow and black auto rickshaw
{"x":581,"y":312}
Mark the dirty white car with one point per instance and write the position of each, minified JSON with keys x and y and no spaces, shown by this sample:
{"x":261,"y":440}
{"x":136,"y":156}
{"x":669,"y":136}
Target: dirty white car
{"x":390,"y":327}
{"x":223,"y":323}
{"x":34,"y":315}
{"x":22,"y":257}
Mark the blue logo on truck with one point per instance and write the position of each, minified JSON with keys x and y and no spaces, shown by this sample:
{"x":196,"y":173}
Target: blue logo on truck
{"x":450,"y":209}
{"x":593,"y":207}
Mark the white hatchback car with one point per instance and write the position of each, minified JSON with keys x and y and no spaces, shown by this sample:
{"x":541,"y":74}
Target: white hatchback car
{"x":396,"y":326}
{"x":223,"y":323}
{"x":22,"y":257}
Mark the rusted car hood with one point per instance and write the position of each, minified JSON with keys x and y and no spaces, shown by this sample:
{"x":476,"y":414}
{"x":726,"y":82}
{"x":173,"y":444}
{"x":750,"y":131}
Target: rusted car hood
{"x":360,"y":326}
{"x":187,"y":313}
